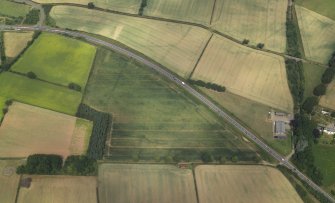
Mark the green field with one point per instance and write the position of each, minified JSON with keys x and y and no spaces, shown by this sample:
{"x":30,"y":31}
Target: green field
{"x":197,"y":11}
{"x":252,"y":114}
{"x":58,"y":59}
{"x":39,"y":93}
{"x":129,"y":183}
{"x":312,"y":74}
{"x":127,"y":6}
{"x":260,"y":21}
{"x":325,"y":160}
{"x":154,"y":119}
{"x":323,"y":7}
{"x":253,"y":74}
{"x":176,"y":46}
{"x":317,"y":33}
{"x":9,"y":8}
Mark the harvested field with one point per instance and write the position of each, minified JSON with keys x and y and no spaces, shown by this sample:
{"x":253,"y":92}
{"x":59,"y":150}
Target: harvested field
{"x":243,"y":184}
{"x":256,"y":75}
{"x":9,"y":180}
{"x":30,"y":130}
{"x":15,"y":42}
{"x":175,"y":46}
{"x":252,"y":114}
{"x":145,"y":183}
{"x":59,"y":189}
{"x":58,"y":59}
{"x":127,"y":6}
{"x":9,"y":8}
{"x":328,"y":100}
{"x":81,"y":136}
{"x":155,"y":120}
{"x":39,"y":93}
{"x":260,"y":21}
{"x":323,"y":7}
{"x":196,"y":11}
{"x":317,"y":33}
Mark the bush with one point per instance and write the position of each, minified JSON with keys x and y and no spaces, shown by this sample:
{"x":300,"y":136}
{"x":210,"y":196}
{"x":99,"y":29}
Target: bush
{"x":206,"y":157}
{"x":143,"y":5}
{"x":208,"y":85}
{"x":328,"y":75}
{"x":90,"y":5}
{"x":234,"y":158}
{"x":245,"y":41}
{"x":5,"y":110}
{"x":260,"y":45}
{"x":310,"y":103}
{"x":74,"y":86}
{"x":9,"y":102}
{"x":42,"y":164}
{"x":320,"y":90}
{"x":80,"y":165}
{"x":31,"y":75}
{"x":102,"y":123}
{"x":333,"y":114}
{"x":32,"y":17}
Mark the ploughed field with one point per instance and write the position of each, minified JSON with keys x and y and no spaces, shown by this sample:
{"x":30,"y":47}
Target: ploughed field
{"x":28,"y":130}
{"x":153,"y":119}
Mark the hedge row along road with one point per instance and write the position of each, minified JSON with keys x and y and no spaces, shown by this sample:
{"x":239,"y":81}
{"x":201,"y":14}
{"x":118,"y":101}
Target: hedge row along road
{"x":283,"y":161}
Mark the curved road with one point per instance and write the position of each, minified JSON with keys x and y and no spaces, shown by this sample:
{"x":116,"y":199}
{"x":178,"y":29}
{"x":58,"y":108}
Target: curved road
{"x":185,"y":86}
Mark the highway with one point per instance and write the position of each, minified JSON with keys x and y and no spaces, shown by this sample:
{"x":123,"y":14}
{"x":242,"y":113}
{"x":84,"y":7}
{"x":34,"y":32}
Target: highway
{"x":185,"y":86}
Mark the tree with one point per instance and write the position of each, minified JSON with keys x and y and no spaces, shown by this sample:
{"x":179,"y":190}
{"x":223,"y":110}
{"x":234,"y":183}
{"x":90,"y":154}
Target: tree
{"x":328,"y":75}
{"x":206,"y":157}
{"x":234,"y":158}
{"x":333,"y":114}
{"x":309,"y":104}
{"x":316,"y":133}
{"x":74,"y":86}
{"x":90,"y":5}
{"x":9,"y":102}
{"x":260,"y":45}
{"x":31,"y":75}
{"x":4,"y":110}
{"x":80,"y":165}
{"x":245,"y":41}
{"x":320,"y":90}
{"x":43,"y":164}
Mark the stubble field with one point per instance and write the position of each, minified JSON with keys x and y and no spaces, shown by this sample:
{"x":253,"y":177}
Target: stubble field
{"x":15,"y":42}
{"x":243,"y":184}
{"x":59,"y":189}
{"x":196,"y":11}
{"x":260,"y":21}
{"x":175,"y":46}
{"x":57,"y":59}
{"x":328,"y":100}
{"x":255,"y":75}
{"x":30,"y":130}
{"x":317,"y":33}
{"x":155,"y":120}
{"x":145,"y":183}
{"x":9,"y":180}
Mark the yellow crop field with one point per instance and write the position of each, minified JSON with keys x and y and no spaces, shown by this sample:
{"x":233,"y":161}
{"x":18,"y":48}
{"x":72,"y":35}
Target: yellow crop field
{"x":15,"y":42}
{"x":317,"y":33}
{"x":245,"y":183}
{"x":29,"y":130}
{"x":59,"y":189}
{"x":253,"y":74}
{"x":127,"y":6}
{"x":9,"y":180}
{"x":197,"y":11}
{"x":175,"y":46}
{"x":260,"y":21}
{"x":328,"y":100}
{"x":128,"y":183}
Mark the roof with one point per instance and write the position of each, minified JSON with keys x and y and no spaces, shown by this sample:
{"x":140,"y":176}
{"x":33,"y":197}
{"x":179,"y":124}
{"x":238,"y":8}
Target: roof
{"x":280,"y":127}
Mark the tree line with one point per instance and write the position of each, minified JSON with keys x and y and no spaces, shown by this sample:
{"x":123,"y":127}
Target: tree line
{"x":144,"y":4}
{"x":208,"y":85}
{"x":50,"y":164}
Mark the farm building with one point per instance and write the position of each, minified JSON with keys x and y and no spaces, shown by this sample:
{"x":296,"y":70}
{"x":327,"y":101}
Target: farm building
{"x":280,"y":129}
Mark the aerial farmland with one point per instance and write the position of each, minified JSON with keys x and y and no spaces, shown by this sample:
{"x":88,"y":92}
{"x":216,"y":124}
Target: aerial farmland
{"x":185,"y":101}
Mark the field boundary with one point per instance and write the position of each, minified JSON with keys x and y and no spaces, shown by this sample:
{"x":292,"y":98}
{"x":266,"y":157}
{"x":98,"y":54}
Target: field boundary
{"x":195,"y":183}
{"x":201,"y":54}
{"x":193,"y":24}
{"x":18,"y":189}
{"x":213,"y":11}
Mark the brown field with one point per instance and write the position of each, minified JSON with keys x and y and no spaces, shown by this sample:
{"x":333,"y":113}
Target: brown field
{"x":28,"y":130}
{"x":15,"y":42}
{"x":243,"y":184}
{"x":252,"y":74}
{"x":59,"y":189}
{"x":130,"y":183}
{"x":328,"y":100}
{"x":9,"y":181}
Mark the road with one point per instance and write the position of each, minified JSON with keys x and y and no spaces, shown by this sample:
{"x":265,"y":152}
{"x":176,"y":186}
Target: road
{"x":35,"y":6}
{"x":282,"y":160}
